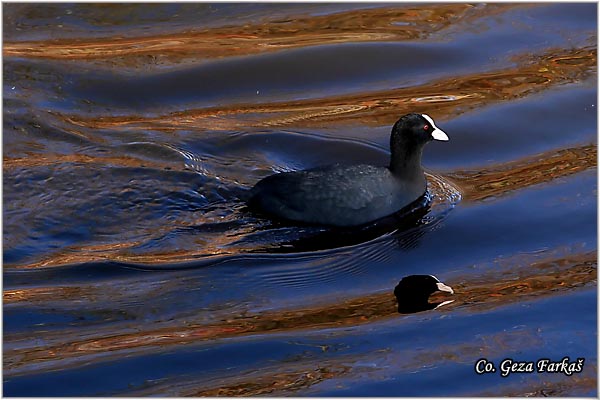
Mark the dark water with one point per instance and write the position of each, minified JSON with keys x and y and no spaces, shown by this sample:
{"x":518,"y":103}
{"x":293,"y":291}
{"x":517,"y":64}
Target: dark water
{"x":132,"y":267}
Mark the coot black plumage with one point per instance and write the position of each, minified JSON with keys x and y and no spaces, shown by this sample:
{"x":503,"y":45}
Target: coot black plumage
{"x":413,"y":291}
{"x":343,"y":195}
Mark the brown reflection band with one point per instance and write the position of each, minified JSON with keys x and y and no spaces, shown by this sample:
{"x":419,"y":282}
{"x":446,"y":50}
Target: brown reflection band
{"x":444,"y":98}
{"x":522,"y":280}
{"x":478,"y":185}
{"x":499,"y":180}
{"x":303,"y":376}
{"x":376,"y":24}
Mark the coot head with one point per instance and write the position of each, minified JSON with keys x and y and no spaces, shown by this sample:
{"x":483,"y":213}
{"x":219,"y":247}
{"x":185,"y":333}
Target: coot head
{"x":416,"y":128}
{"x":409,"y":135}
{"x":413,"y":292}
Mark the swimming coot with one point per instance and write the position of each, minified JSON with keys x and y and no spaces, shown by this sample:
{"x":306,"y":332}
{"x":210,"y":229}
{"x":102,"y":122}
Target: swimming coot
{"x":412,"y":293}
{"x":349,"y":195}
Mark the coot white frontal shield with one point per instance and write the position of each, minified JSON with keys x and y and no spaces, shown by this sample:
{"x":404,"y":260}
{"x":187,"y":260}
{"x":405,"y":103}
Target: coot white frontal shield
{"x":437,"y":133}
{"x":444,"y":288}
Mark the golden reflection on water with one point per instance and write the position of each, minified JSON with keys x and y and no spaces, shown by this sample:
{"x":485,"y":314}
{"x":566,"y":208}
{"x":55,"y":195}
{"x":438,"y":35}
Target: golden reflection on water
{"x":302,"y":373}
{"x":43,"y":160}
{"x":478,"y":185}
{"x":282,"y":380}
{"x":498,"y":180}
{"x":378,"y":24}
{"x":444,"y":98}
{"x":550,"y":388}
{"x":521,"y":280}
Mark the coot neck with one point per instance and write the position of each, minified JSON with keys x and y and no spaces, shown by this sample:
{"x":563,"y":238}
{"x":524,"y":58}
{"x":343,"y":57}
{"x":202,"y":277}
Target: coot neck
{"x":406,"y":161}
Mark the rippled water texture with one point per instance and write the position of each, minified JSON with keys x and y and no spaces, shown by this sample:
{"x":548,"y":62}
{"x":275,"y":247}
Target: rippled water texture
{"x":132,"y":131}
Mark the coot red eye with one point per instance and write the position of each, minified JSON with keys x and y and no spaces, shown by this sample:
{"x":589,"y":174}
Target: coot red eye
{"x":426,"y":127}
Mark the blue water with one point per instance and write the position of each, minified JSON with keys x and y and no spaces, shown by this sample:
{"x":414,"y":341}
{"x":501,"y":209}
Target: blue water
{"x":133,"y":268}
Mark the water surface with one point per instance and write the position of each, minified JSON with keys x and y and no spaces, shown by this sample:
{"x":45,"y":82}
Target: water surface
{"x":132,"y":266}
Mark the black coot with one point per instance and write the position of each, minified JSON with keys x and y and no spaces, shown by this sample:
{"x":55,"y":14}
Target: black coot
{"x":343,"y":195}
{"x":413,"y":292}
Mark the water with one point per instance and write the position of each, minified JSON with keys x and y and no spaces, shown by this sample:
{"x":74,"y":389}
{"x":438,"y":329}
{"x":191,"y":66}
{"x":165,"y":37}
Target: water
{"x":132,"y":267}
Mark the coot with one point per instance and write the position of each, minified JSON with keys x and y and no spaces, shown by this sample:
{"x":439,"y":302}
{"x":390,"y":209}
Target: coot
{"x":350,"y":195}
{"x":413,"y":292}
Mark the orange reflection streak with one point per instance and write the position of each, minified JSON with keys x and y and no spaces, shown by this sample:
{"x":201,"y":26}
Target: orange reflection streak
{"x":82,"y":254}
{"x":380,"y":24}
{"x":445,"y":98}
{"x":299,"y":374}
{"x":499,"y":180}
{"x":120,"y":252}
{"x":39,"y":160}
{"x":520,"y":281}
{"x":566,"y":387}
{"x":476,"y":185}
{"x":540,"y":277}
{"x":42,"y":294}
